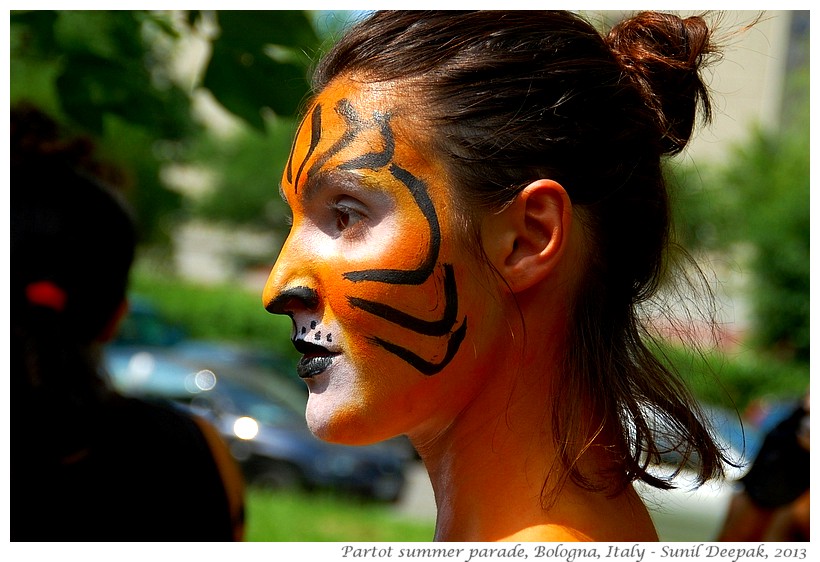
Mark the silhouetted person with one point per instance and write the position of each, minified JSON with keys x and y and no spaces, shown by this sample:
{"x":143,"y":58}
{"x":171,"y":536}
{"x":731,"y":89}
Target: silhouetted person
{"x":86,"y":463}
{"x":773,"y":503}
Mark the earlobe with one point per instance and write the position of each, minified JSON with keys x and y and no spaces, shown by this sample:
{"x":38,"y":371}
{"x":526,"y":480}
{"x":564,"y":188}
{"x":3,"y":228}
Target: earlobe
{"x":526,"y":240}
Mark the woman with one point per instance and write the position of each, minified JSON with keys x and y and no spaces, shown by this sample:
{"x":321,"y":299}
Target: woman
{"x":86,"y":463}
{"x":478,"y":209}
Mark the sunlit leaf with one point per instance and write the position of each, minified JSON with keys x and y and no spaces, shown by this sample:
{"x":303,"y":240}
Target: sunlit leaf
{"x":249,"y":30}
{"x":243,"y":75}
{"x":32,"y":32}
{"x":245,"y":83}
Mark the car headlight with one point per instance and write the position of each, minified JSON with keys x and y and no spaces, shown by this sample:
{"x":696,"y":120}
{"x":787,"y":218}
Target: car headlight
{"x":139,"y":369}
{"x":246,"y":428}
{"x":201,"y":381}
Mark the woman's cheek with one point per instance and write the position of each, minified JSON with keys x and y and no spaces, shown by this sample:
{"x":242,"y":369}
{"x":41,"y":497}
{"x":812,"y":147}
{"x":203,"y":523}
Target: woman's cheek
{"x":396,"y":242}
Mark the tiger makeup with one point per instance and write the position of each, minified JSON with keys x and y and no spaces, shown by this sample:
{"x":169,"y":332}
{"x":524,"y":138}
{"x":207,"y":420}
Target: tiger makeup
{"x":372,"y":274}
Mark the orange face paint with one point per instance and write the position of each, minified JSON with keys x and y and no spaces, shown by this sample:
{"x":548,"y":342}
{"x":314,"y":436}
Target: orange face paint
{"x":371,"y":273}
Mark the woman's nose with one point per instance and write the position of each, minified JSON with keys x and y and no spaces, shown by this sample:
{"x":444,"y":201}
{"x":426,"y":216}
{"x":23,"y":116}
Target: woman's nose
{"x":290,"y":288}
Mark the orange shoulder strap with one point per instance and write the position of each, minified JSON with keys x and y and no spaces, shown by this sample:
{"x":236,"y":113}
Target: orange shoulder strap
{"x":231,"y":476}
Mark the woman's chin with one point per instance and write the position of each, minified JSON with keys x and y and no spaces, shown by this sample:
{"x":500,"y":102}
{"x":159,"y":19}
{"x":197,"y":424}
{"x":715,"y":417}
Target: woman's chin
{"x":328,"y":422}
{"x":341,"y":425}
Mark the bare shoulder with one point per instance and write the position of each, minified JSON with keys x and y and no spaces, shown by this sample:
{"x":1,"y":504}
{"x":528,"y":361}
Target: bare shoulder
{"x":622,"y":518}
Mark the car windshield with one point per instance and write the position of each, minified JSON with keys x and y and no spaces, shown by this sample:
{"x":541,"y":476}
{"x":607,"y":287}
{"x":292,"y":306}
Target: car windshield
{"x":255,"y":403}
{"x":144,"y":326}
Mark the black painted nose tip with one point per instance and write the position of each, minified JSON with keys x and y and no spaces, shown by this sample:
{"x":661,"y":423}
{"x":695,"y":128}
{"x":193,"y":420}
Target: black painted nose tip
{"x":295,"y":298}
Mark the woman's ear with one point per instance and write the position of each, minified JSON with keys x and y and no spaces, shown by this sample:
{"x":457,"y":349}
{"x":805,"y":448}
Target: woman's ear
{"x":526,"y":240}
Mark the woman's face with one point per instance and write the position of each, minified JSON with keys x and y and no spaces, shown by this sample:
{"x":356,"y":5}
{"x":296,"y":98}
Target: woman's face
{"x":391,"y":310}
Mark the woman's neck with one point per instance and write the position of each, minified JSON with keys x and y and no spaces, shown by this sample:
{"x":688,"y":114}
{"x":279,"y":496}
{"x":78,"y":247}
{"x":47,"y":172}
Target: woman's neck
{"x":488,"y":468}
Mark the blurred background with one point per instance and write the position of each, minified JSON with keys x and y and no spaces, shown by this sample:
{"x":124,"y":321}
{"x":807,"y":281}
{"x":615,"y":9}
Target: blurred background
{"x":196,"y":110}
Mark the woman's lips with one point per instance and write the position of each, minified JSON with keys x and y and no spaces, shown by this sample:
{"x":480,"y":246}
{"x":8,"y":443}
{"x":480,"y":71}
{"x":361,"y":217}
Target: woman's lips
{"x":315,"y":358}
{"x":310,"y":366}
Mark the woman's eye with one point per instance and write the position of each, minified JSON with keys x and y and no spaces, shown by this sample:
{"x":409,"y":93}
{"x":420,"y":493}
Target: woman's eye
{"x":346,"y":217}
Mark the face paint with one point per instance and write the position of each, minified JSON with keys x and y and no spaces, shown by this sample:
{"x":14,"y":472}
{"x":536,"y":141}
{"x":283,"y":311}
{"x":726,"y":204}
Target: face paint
{"x":372,"y":271}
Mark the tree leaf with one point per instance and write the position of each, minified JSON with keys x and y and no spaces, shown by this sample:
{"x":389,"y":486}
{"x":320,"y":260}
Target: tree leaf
{"x":91,"y":86}
{"x":245,"y":82}
{"x":251,"y":30}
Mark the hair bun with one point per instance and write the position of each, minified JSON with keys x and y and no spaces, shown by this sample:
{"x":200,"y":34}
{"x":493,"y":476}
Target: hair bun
{"x":664,"y":53}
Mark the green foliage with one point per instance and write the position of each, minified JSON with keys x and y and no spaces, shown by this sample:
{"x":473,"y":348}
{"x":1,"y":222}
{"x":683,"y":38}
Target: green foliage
{"x":735,"y":380}
{"x":247,"y":165}
{"x":247,"y":168}
{"x":248,"y":72}
{"x":97,"y":60}
{"x":299,"y":517}
{"x":223,"y":312}
{"x":88,"y":71}
{"x":772,"y":186}
{"x":106,"y":75}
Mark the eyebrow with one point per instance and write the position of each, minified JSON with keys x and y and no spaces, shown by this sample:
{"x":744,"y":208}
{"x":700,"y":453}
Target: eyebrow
{"x":350,"y":181}
{"x":315,"y":182}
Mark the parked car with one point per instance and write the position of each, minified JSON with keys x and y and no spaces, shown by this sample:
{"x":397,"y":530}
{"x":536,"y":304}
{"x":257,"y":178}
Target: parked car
{"x":258,"y":412}
{"x":696,"y":513}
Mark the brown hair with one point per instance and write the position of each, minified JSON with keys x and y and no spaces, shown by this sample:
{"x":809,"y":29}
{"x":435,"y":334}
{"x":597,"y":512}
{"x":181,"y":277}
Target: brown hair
{"x":517,"y":96}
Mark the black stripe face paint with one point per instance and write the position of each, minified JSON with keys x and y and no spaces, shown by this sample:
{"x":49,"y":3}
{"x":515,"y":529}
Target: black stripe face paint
{"x":340,"y":139}
{"x":398,"y":321}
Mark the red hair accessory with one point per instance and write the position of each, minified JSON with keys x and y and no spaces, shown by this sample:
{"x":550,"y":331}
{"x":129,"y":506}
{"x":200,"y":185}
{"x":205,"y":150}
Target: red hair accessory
{"x":47,"y":294}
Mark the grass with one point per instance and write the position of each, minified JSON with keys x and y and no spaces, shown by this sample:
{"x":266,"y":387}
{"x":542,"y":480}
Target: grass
{"x":283,"y":516}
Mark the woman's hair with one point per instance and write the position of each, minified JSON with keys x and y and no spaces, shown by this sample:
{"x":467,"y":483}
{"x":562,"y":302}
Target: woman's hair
{"x":511,"y":97}
{"x":69,"y":228}
{"x":72,"y":246}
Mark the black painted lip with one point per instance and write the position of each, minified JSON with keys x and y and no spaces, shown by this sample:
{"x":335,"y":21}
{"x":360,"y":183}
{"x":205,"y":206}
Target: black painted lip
{"x":311,"y":365}
{"x":315,"y":358}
